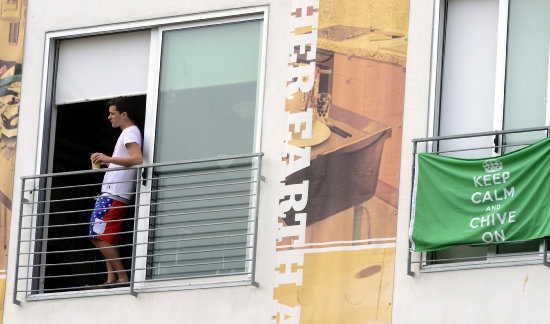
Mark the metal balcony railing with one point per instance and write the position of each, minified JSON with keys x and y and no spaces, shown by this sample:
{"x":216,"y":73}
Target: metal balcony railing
{"x":190,"y":224}
{"x":478,"y":145}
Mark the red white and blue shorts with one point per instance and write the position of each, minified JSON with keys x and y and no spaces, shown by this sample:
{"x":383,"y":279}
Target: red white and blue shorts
{"x":106,"y":220}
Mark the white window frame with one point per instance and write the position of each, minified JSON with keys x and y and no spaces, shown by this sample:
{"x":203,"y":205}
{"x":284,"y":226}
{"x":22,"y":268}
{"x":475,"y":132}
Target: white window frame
{"x":493,"y":259}
{"x":149,"y":140}
{"x":156,"y":26}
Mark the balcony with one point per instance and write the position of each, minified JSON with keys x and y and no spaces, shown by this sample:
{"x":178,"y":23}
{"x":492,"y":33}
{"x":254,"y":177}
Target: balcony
{"x":469,"y":256}
{"x":191,"y":224}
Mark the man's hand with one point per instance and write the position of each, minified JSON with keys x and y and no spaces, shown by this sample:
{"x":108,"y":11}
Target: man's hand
{"x":101,"y":158}
{"x":135,"y":157}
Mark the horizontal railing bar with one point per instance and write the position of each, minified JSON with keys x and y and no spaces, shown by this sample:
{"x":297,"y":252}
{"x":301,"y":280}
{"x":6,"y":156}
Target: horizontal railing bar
{"x":131,"y":231}
{"x":143,"y":256}
{"x":200,"y":187}
{"x":144,"y":166}
{"x":73,"y":237}
{"x":197,"y":225}
{"x":195,"y":239}
{"x":146,"y":268}
{"x":129,"y":257}
{"x":74,"y":288}
{"x":193,"y":277}
{"x":140,"y":243}
{"x":478,"y":148}
{"x":70,"y":263}
{"x":141,"y":281}
{"x":141,"y":205}
{"x":75,"y":275}
{"x":198,"y":212}
{"x":73,"y":199}
{"x":480,"y":134}
{"x":484,"y":257}
{"x":143,"y":179}
{"x":76,"y":224}
{"x":80,"y":172}
{"x":76,"y":250}
{"x":125,"y":193}
{"x":76,"y":211}
{"x":197,"y":251}
{"x":199,"y":220}
{"x":489,"y":244}
{"x":480,"y":265}
{"x":221,"y":158}
{"x":192,"y":264}
{"x":117,"y":220}
{"x":188,"y":174}
{"x":79,"y":186}
{"x":196,"y":199}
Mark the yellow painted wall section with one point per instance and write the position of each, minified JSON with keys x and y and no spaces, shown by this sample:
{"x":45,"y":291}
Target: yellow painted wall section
{"x":387,"y":14}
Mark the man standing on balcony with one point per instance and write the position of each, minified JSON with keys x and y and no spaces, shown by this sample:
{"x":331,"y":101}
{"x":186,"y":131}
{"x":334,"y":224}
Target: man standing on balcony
{"x":117,"y":189}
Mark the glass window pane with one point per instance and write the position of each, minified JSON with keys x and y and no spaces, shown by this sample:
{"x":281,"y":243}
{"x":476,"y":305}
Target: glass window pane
{"x":468,"y":73}
{"x":207,"y":107}
{"x":527,"y":68}
{"x":461,"y":253}
{"x":530,"y":246}
{"x":208,"y":91}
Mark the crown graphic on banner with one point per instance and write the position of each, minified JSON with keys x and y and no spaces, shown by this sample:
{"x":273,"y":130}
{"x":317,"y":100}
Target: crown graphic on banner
{"x":492,"y":165}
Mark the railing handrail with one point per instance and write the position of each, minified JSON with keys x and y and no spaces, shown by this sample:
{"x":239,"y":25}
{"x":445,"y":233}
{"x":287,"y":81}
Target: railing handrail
{"x":480,"y":134}
{"x":143,"y":166}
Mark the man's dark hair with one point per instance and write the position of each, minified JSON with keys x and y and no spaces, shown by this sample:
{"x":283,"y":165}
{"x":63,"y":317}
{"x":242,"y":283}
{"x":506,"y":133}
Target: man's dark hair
{"x":124,"y":104}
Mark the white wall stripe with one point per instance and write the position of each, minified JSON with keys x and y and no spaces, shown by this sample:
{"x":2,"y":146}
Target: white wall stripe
{"x":350,"y":248}
{"x":339,"y":242}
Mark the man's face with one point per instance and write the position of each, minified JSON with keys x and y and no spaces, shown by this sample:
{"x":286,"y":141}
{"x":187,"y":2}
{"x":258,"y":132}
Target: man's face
{"x":114,"y":117}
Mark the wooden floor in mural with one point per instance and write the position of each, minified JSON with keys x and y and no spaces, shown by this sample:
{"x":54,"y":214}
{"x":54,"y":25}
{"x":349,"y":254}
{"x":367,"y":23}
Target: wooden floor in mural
{"x":347,"y":283}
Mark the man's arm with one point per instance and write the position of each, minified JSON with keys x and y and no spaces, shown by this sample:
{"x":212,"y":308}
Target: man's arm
{"x":135,"y":157}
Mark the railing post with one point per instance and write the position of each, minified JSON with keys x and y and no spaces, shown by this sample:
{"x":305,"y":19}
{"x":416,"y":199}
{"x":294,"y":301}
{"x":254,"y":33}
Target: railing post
{"x":545,"y":253}
{"x":409,"y":261}
{"x":134,"y":240}
{"x":256,"y":213}
{"x":15,"y":283}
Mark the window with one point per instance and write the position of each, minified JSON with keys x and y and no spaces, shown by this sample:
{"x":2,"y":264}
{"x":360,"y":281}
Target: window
{"x":207,"y":108}
{"x":491,"y":64}
{"x":14,"y":33}
{"x":199,"y":85}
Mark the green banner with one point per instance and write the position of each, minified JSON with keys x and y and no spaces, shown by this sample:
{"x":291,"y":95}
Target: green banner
{"x":469,"y":201}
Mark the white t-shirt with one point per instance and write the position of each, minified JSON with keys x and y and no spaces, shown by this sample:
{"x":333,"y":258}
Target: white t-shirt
{"x":125,"y":189}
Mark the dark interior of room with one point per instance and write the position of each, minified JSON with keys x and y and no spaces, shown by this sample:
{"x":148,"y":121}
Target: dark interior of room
{"x":80,"y":130}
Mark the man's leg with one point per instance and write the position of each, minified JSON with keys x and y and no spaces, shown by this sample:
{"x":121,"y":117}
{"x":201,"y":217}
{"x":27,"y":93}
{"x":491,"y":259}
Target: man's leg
{"x":111,"y":252}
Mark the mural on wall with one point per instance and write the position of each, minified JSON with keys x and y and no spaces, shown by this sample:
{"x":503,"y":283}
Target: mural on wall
{"x":338,"y":202}
{"x":12,"y":23}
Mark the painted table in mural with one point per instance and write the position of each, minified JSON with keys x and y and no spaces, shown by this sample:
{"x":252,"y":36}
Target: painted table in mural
{"x":344,"y":169}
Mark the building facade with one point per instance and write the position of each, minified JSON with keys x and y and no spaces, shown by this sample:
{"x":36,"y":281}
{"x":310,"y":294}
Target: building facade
{"x":279,"y":151}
